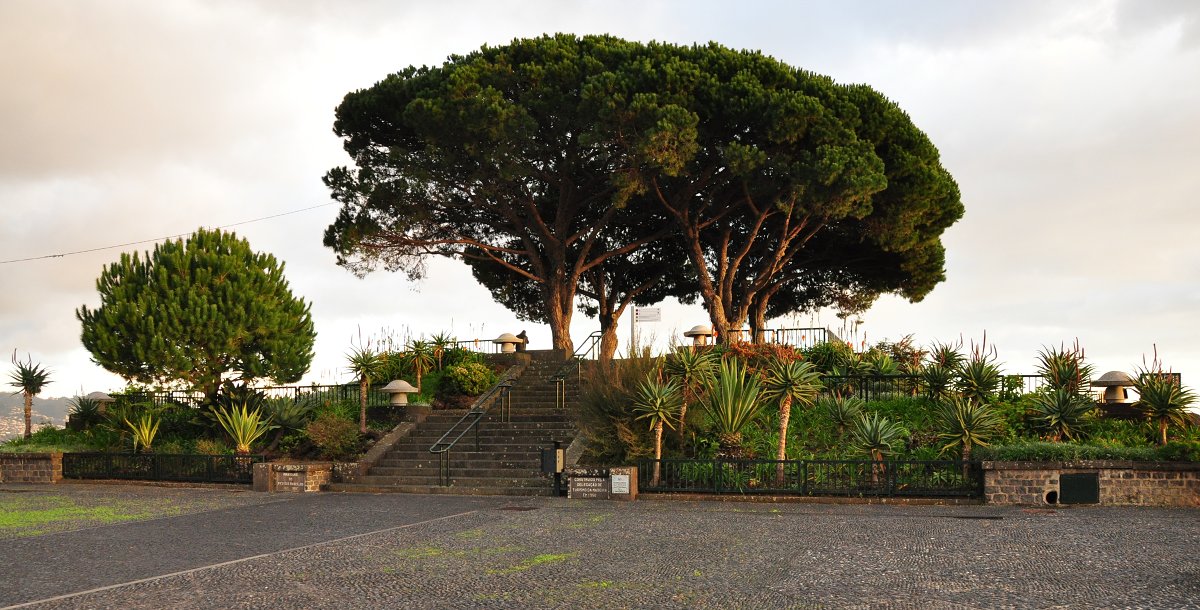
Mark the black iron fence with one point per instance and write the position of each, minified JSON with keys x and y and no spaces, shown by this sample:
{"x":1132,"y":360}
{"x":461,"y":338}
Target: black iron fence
{"x":317,"y":393}
{"x":899,"y":478}
{"x":161,"y":467}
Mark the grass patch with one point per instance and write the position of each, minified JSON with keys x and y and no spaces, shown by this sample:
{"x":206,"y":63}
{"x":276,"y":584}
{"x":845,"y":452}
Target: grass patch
{"x":23,"y":517}
{"x":536,"y":560}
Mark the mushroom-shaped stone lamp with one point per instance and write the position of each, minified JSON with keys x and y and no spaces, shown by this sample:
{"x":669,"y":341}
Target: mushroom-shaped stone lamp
{"x":1115,"y":384}
{"x":508,"y":343}
{"x":399,"y":389}
{"x":102,"y":399}
{"x":699,"y":334}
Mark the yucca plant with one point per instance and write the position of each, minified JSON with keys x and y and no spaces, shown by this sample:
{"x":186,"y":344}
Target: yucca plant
{"x":693,"y":369}
{"x":878,"y":436}
{"x":29,"y":379}
{"x":732,"y":402}
{"x":365,"y":364}
{"x":143,"y":431}
{"x":1061,"y":413}
{"x":1064,"y":369}
{"x":243,"y":425}
{"x":659,"y":403}
{"x":843,"y":411}
{"x":965,"y":424}
{"x":1163,"y":398}
{"x":789,"y":381}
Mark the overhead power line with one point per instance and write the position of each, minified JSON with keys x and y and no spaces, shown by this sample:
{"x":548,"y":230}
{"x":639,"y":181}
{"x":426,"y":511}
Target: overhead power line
{"x":158,"y":239}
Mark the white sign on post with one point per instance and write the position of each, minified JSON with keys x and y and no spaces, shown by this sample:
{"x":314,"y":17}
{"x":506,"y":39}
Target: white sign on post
{"x":647,"y":314}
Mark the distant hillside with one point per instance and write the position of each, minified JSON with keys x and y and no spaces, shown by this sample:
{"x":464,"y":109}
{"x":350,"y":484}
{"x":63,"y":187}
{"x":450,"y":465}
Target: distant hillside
{"x":12,"y":413}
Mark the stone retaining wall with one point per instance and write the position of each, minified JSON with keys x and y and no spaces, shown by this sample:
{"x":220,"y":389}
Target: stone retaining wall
{"x":1122,"y":483}
{"x":30,"y":467}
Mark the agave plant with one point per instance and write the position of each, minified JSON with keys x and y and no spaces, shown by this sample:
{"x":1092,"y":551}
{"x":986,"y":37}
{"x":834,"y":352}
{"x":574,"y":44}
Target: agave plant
{"x":965,"y":424}
{"x":243,"y":425}
{"x":979,"y":377}
{"x":288,"y":415}
{"x":938,"y":381}
{"x":365,"y":364}
{"x":693,"y":369}
{"x":144,"y":431}
{"x":787,"y":381}
{"x":946,"y":355}
{"x":732,"y":401}
{"x":1061,"y":413}
{"x":85,"y":413}
{"x":1064,"y":369}
{"x":659,"y":402}
{"x":878,"y":436}
{"x":29,"y":379}
{"x":1163,"y":398}
{"x":878,"y":363}
{"x":843,"y":411}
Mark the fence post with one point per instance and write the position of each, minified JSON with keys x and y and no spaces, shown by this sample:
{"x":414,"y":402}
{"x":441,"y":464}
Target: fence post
{"x":803,"y":470}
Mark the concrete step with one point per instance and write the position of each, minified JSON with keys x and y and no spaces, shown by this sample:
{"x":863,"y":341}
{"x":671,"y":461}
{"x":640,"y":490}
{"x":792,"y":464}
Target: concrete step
{"x":437,"y":489}
{"x":469,"y":471}
{"x":455,"y":481}
{"x":463,"y":453}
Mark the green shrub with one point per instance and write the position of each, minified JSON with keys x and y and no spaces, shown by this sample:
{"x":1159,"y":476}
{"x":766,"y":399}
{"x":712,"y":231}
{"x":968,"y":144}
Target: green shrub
{"x":470,"y":379}
{"x":208,"y":446}
{"x":1180,"y":451}
{"x":50,"y":438}
{"x":336,"y":437}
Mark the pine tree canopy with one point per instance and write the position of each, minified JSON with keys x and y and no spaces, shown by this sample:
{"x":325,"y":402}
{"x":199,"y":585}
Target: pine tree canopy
{"x":198,"y":312}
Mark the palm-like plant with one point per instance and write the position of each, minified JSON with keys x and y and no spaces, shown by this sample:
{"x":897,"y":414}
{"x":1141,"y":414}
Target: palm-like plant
{"x":659,"y":402}
{"x":243,"y":425}
{"x":732,"y":401}
{"x":85,"y":413}
{"x":289,"y":414}
{"x":693,"y":369}
{"x":878,"y":436}
{"x":1064,"y":368}
{"x":144,"y":431}
{"x":1163,"y":398}
{"x":1062,"y":413}
{"x":439,"y":345}
{"x":365,"y":364}
{"x":963,"y":423}
{"x":843,"y":411}
{"x":787,"y":381}
{"x":419,"y":356}
{"x":29,"y":379}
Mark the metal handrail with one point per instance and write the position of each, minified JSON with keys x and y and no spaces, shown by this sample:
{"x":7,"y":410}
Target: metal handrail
{"x":560,"y":377}
{"x":500,"y":392}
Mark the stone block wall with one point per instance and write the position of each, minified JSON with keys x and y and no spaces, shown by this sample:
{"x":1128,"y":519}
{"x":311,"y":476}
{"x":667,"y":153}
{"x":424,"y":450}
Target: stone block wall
{"x":293,"y":478}
{"x":1122,"y":483}
{"x":30,"y":467}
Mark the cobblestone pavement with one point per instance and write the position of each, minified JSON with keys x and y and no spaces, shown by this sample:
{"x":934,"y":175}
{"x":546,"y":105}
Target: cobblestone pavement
{"x":398,"y":551}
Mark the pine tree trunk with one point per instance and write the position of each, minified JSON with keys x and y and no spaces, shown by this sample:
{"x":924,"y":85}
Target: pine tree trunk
{"x":608,"y":340}
{"x":558,"y":301}
{"x":785,"y":413}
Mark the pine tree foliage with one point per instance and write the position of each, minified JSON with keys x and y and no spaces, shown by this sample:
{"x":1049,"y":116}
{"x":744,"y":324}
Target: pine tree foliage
{"x":198,"y":312}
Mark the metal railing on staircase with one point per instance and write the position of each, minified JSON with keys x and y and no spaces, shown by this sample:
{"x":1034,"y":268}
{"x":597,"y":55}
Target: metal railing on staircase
{"x":500,"y":393}
{"x":586,"y":351}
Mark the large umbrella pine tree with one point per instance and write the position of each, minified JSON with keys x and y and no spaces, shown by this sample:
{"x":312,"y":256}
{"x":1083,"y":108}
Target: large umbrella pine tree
{"x":197,"y":313}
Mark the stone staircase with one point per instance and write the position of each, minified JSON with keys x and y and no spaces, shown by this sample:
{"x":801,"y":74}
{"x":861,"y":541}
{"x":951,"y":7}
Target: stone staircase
{"x":507,"y":460}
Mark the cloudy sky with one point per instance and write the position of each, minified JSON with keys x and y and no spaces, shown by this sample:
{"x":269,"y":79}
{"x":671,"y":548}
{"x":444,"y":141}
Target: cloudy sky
{"x":1071,"y":127}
